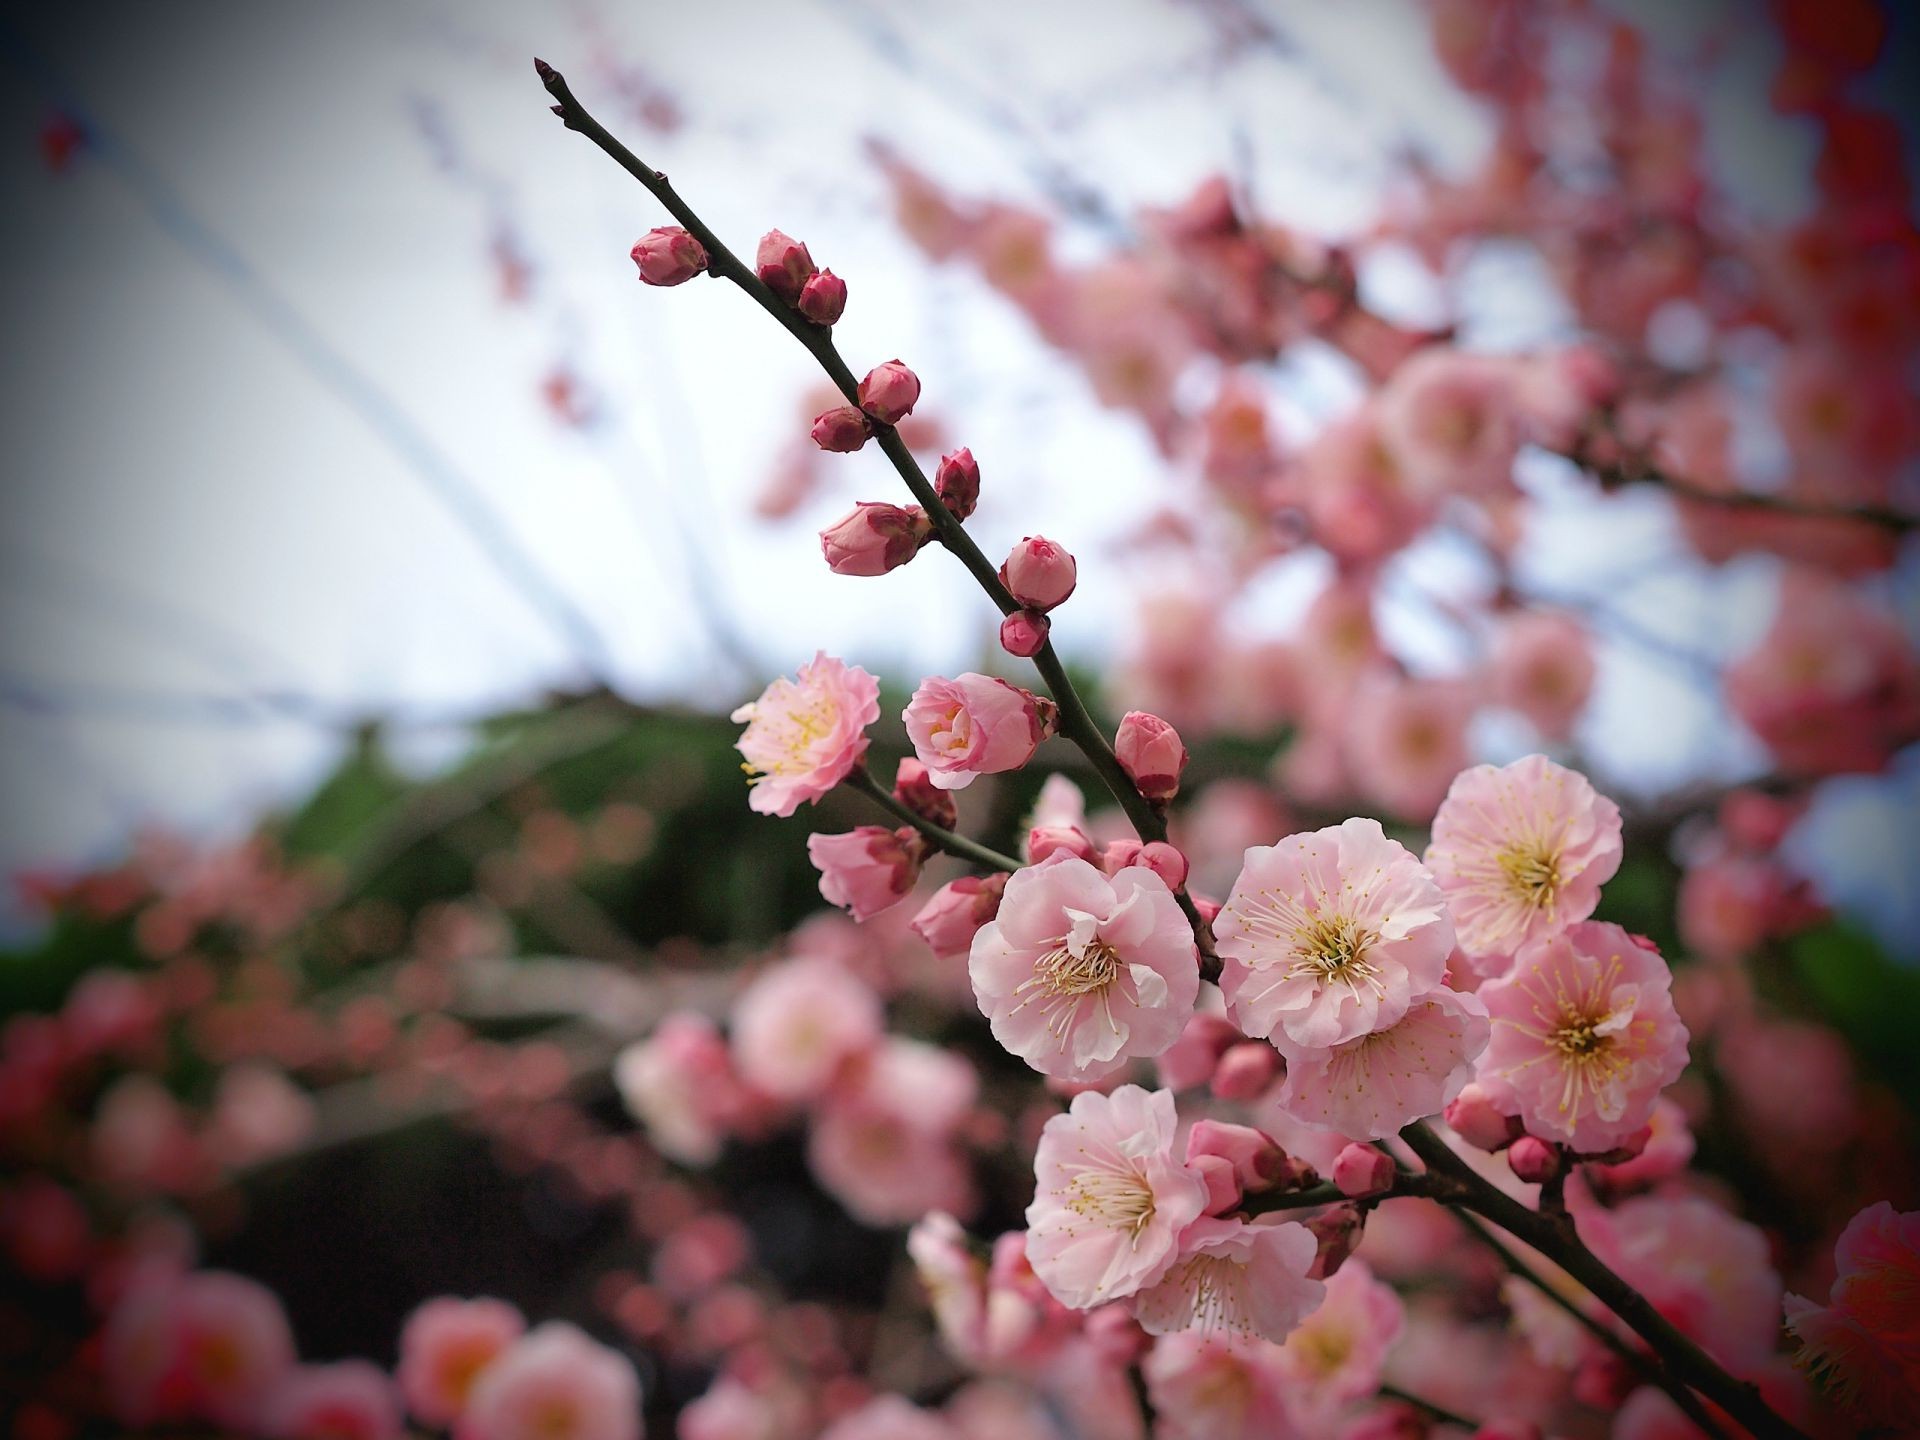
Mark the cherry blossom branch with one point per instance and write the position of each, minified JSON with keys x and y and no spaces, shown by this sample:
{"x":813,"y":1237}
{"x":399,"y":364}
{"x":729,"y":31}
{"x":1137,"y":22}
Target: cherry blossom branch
{"x":1647,"y":1364}
{"x":1555,"y":1237}
{"x":941,"y":838}
{"x":1076,"y":723}
{"x":1437,"y":1412}
{"x":1614,"y":474}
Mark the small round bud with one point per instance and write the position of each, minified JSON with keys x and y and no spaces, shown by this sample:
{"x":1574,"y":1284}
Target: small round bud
{"x":1045,"y":840}
{"x":889,"y":392}
{"x":1246,"y":1070}
{"x":1152,"y":753}
{"x":873,"y":538}
{"x":1165,"y":861}
{"x":842,"y":429}
{"x":1223,"y":1185}
{"x":1039,"y":573}
{"x":1361,"y":1170}
{"x":783,"y":264}
{"x":1337,"y":1228}
{"x":1536,"y":1161}
{"x":1475,"y":1120}
{"x":669,"y":256}
{"x":957,"y":482}
{"x":822,"y":298}
{"x":1024,"y":633}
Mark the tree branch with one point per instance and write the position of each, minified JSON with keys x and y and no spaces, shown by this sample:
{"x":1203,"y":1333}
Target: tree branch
{"x":942,"y":839}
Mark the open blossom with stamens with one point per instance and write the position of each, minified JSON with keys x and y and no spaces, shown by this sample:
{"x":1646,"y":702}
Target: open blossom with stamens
{"x":1521,"y":851}
{"x":445,"y":1345}
{"x":1235,"y":1277}
{"x":805,"y":735}
{"x":1329,"y":935}
{"x":1337,"y":1353}
{"x":1079,"y":973}
{"x":1215,"y":1387}
{"x":555,"y":1383}
{"x":1585,"y":1036}
{"x":972,"y":725}
{"x":1372,"y":1085}
{"x":1110,"y":1200}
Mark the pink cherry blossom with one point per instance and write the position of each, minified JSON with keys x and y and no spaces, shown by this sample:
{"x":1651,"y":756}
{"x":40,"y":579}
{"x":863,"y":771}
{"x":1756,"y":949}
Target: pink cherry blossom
{"x":1448,"y":419}
{"x":884,"y":1140}
{"x":1371,"y":1086}
{"x":1329,"y":935}
{"x":1864,"y":1344}
{"x":210,"y":1345}
{"x":1039,"y":573}
{"x":805,"y":735}
{"x":994,"y":1316}
{"x":1404,"y":739}
{"x":1110,"y":1201}
{"x":1543,"y":667}
{"x":1235,"y":1277}
{"x":1079,"y":973}
{"x":972,"y":725}
{"x":949,"y":921}
{"x":444,"y":1347}
{"x":873,"y":538}
{"x":798,"y":1023}
{"x":1337,"y":1353}
{"x":1521,"y":852}
{"x":889,"y":1417}
{"x":868,"y":869}
{"x":348,"y":1400}
{"x":1152,"y":753}
{"x":1215,"y":1387}
{"x":1585,"y":1036}
{"x":680,"y":1083}
{"x":554,"y":1383}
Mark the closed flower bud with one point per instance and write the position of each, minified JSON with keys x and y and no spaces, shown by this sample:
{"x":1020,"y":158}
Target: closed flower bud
{"x":1039,"y":573}
{"x":1165,"y":861}
{"x":1024,"y":633}
{"x":1536,"y":1161}
{"x":669,"y":256}
{"x":1337,"y":1228}
{"x":1362,"y":1170}
{"x":914,"y":789}
{"x":1223,"y":1184}
{"x":843,"y":429}
{"x":873,"y":538}
{"x":1258,"y":1163}
{"x":868,"y":869}
{"x":1246,"y":1070}
{"x":957,"y":482}
{"x":783,"y":263}
{"x":957,"y":910}
{"x":1045,"y":840}
{"x":1475,"y":1120}
{"x":1151,"y":752}
{"x":889,"y":392}
{"x":822,"y":298}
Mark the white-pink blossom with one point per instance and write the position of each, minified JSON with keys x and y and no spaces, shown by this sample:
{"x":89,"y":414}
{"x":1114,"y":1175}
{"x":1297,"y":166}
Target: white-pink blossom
{"x":1235,"y":1277}
{"x":444,"y":1346}
{"x":805,"y":735}
{"x":554,"y":1383}
{"x":1373,"y":1085}
{"x":1330,"y":935}
{"x":972,"y":725}
{"x":798,"y":1023}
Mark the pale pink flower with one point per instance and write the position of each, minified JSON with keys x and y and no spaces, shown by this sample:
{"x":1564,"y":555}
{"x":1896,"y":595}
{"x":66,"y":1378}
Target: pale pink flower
{"x":444,"y":1346}
{"x":1709,"y":1273}
{"x":1371,"y":1086}
{"x":554,"y":1383}
{"x":1110,"y":1200}
{"x":1543,"y":667}
{"x":885,"y":1142}
{"x":868,"y":869}
{"x":1668,"y":1151}
{"x":798,"y":1023}
{"x":680,"y":1083}
{"x":212,"y":1344}
{"x":1214,"y":1387}
{"x":1079,"y":973}
{"x":972,"y":725}
{"x":991,"y":1317}
{"x":1337,"y":1353}
{"x":1585,"y":1036}
{"x":1235,"y":1277}
{"x":1521,"y":851}
{"x":889,"y":1417}
{"x":805,"y":735}
{"x":949,"y":921}
{"x":1355,"y":492}
{"x":1329,"y":935}
{"x":348,"y":1400}
{"x":1406,"y":739}
{"x":1864,"y":1344}
{"x":1448,"y":418}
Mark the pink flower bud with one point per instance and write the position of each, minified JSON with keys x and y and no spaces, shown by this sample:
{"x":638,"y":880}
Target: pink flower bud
{"x":1258,"y":1163}
{"x":1151,"y":752}
{"x":957,"y":482}
{"x":1337,"y":1228}
{"x":843,"y":429}
{"x":1361,"y":1170}
{"x":669,"y":256}
{"x":1165,"y":861}
{"x":1038,"y":573}
{"x":783,"y":264}
{"x":873,"y":538}
{"x":913,"y":789}
{"x":1024,"y":633}
{"x":1045,"y":840}
{"x":822,"y":298}
{"x":1246,"y":1070}
{"x":1475,"y":1120}
{"x":1118,"y":855}
{"x":1223,"y":1185}
{"x":889,"y":392}
{"x":1536,"y":1161}
{"x":1115,"y":1334}
{"x":869,"y":869}
{"x":948,"y":921}
{"x":1191,"y":1059}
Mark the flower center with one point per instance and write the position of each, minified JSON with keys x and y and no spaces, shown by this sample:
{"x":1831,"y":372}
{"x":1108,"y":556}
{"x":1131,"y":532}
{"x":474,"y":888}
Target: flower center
{"x":1116,"y":1199}
{"x":1219,"y":1289}
{"x":1578,"y":1038}
{"x":1533,"y":871}
{"x":781,"y":742}
{"x":1334,"y":948}
{"x":1061,"y":972}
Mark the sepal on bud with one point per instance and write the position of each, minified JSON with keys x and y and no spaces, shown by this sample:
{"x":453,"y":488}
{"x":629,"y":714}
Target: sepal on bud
{"x":668,"y":255}
{"x":842,"y":429}
{"x":783,"y":265}
{"x":957,"y":482}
